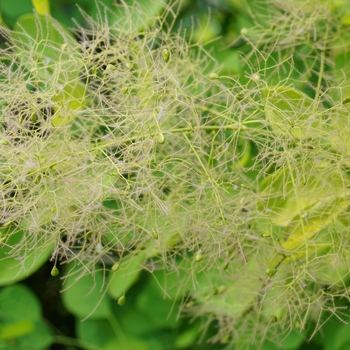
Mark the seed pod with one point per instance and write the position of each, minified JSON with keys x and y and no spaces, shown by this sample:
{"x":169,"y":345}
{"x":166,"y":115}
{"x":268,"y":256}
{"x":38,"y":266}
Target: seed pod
{"x":255,"y":77}
{"x":121,"y":300}
{"x":125,"y":89}
{"x":222,"y":289}
{"x":4,"y":142}
{"x":166,"y":55}
{"x":128,"y":65}
{"x":271,"y":272}
{"x":213,"y":76}
{"x":116,"y":266}
{"x":154,"y":234}
{"x":345,"y":100}
{"x":110,"y":67}
{"x":160,"y":138}
{"x":8,"y":223}
{"x":54,"y":271}
{"x":215,"y":290}
{"x":199,"y":257}
{"x":244,"y":31}
{"x":266,"y":235}
{"x":190,"y":303}
{"x":239,"y":97}
{"x":226,"y":265}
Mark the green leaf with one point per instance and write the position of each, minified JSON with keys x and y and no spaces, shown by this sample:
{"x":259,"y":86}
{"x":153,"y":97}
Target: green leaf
{"x":138,"y":13}
{"x":85,"y":295}
{"x":290,"y":192}
{"x":12,"y":10}
{"x":15,"y":329}
{"x":41,"y":338}
{"x":95,"y":332}
{"x":44,"y":46}
{"x":41,"y":6}
{"x":20,"y":311}
{"x":15,"y":269}
{"x":18,"y":302}
{"x":127,"y":274}
{"x":160,"y":310}
{"x":127,"y":343}
{"x":290,"y":112}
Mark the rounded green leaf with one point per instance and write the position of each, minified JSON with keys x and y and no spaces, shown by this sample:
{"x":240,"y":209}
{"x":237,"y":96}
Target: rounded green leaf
{"x":14,"y":270}
{"x":85,"y":296}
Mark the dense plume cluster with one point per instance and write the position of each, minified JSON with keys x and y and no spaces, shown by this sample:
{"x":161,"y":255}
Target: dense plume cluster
{"x":121,"y":140}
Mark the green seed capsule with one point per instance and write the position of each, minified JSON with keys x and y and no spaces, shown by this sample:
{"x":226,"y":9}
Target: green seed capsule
{"x":121,"y":300}
{"x":165,"y":54}
{"x":116,"y":266}
{"x":125,"y":89}
{"x":271,"y":272}
{"x":222,"y":289}
{"x":154,"y":234}
{"x":199,"y":257}
{"x":8,"y":223}
{"x":54,"y":271}
{"x":190,"y":303}
{"x":213,"y":76}
{"x":346,"y":100}
{"x":266,"y":235}
{"x":34,"y":118}
{"x":4,"y":142}
{"x":226,"y":265}
{"x":110,"y":67}
{"x":160,"y":138}
{"x":128,"y":65}
{"x":239,"y":97}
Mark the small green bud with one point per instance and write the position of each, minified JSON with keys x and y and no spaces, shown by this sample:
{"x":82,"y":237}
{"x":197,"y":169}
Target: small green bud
{"x":121,"y":300}
{"x":271,"y":272}
{"x":160,"y":138}
{"x":213,"y":76}
{"x":165,"y":54}
{"x":8,"y":223}
{"x":199,"y":257}
{"x":154,"y":234}
{"x":190,"y":303}
{"x":215,"y":290}
{"x":239,"y":97}
{"x":4,"y":142}
{"x":54,"y":271}
{"x":124,"y":90}
{"x":116,"y":266}
{"x":346,"y":100}
{"x":226,"y":265}
{"x":255,"y":77}
{"x":222,"y":289}
{"x":266,"y":235}
{"x":110,"y":67}
{"x":128,"y":65}
{"x":34,"y":118}
{"x":244,"y":31}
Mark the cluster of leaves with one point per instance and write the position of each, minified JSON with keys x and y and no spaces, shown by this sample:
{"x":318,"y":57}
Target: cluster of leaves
{"x":123,"y":149}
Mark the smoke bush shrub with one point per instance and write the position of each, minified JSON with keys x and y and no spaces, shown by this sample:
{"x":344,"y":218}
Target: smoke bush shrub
{"x":123,"y":149}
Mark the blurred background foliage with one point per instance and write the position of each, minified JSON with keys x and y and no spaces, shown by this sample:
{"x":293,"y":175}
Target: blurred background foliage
{"x":33,"y":313}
